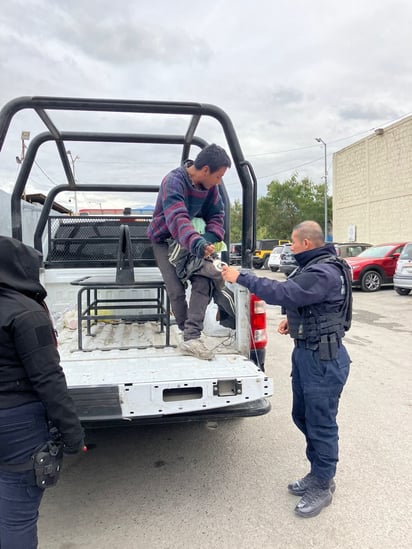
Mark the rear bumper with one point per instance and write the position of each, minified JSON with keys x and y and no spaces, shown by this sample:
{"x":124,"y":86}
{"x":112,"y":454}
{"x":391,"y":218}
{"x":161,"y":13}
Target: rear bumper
{"x":402,"y":282}
{"x":247,"y":409}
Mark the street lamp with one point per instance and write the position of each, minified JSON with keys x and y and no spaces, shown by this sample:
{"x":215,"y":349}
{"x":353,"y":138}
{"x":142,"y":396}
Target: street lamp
{"x":73,"y":160}
{"x":25,"y":136}
{"x":320,"y":140}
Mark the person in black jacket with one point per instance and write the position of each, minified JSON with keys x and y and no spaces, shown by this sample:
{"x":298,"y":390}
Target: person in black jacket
{"x":33,"y":392}
{"x":317,"y":299}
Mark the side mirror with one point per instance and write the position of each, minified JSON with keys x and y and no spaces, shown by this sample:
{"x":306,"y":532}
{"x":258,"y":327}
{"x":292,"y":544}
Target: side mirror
{"x":396,"y":255}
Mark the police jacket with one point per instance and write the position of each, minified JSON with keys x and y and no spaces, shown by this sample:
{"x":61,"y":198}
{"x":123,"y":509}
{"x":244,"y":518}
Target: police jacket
{"x":29,"y":361}
{"x":317,"y":296}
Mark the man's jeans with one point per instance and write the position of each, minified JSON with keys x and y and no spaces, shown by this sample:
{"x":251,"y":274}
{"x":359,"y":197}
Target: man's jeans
{"x":189,"y":319}
{"x":23,"y":429}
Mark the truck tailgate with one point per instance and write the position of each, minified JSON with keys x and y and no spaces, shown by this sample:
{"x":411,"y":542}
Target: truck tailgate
{"x":121,"y":385}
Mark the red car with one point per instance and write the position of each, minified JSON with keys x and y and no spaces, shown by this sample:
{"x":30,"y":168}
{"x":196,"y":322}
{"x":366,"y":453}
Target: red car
{"x":375,"y":266}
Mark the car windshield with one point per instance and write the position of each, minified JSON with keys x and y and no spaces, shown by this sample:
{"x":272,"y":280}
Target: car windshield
{"x":376,"y":251}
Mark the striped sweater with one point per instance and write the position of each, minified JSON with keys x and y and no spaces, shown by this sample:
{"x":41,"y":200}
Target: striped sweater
{"x":177,"y":203}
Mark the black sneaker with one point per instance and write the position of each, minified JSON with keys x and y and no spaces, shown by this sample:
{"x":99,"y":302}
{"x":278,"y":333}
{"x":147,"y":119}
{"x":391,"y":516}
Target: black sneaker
{"x":313,"y":501}
{"x":299,"y":487}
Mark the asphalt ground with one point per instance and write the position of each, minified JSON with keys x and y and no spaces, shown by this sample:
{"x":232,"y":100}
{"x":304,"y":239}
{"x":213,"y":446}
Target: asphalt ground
{"x":208,"y":486}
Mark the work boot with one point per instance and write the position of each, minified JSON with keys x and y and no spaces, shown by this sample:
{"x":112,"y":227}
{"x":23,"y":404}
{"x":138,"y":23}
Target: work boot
{"x":196,"y":348}
{"x":299,"y":487}
{"x":317,"y":496}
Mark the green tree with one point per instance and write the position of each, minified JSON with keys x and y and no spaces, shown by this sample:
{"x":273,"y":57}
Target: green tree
{"x":288,"y":203}
{"x":236,"y":221}
{"x":285,"y":205}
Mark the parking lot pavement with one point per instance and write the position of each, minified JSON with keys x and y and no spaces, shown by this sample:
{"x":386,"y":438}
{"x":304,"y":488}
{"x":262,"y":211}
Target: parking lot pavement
{"x":197,"y":486}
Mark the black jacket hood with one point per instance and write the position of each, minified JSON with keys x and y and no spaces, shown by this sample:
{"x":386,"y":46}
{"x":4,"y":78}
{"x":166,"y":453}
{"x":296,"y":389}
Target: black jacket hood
{"x":19,"y":268}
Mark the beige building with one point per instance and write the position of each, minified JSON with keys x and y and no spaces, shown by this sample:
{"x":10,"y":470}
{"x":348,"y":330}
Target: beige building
{"x":372,"y":187}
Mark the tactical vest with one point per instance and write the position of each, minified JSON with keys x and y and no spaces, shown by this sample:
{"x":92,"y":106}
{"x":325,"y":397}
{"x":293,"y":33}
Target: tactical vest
{"x":317,"y":324}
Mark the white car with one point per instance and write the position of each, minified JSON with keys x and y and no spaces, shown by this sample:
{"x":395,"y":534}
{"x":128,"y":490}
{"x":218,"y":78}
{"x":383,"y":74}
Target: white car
{"x":274,"y":258}
{"x":402,"y":279}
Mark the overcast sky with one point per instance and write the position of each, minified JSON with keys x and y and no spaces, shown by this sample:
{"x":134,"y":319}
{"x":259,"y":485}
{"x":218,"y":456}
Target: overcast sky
{"x":285,"y":71}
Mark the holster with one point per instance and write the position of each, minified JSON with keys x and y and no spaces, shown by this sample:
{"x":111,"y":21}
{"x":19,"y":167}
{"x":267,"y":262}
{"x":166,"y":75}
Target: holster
{"x":47,"y":464}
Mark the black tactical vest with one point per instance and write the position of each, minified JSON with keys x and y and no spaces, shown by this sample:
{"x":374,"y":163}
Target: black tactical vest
{"x":319,"y":323}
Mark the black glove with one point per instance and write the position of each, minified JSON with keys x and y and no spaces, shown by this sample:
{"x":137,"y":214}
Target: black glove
{"x":74,"y":448}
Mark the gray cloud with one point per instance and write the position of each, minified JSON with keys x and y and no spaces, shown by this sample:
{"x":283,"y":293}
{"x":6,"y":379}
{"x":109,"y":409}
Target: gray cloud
{"x":367,"y":112}
{"x":284,"y":74}
{"x":285,"y":96}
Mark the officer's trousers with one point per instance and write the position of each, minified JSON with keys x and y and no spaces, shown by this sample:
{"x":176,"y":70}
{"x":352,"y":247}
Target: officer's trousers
{"x":22,"y":430}
{"x":317,"y":386}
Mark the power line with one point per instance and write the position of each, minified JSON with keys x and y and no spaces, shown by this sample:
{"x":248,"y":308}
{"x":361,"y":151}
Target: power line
{"x":291,"y":169}
{"x":44,"y":173}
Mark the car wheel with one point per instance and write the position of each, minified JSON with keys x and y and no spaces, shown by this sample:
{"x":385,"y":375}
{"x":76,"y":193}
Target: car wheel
{"x":371,"y":281}
{"x":258,"y":266}
{"x":402,"y":291}
{"x":274,"y":269}
{"x":266,"y":263}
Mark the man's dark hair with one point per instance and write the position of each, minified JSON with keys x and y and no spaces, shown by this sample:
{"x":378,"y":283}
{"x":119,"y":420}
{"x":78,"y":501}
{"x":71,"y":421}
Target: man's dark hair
{"x":214,"y":157}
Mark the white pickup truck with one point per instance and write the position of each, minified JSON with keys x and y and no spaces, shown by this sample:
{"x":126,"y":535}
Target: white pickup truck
{"x":117,"y":338}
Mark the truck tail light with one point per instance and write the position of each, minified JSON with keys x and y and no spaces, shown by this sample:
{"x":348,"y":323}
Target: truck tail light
{"x":257,"y":322}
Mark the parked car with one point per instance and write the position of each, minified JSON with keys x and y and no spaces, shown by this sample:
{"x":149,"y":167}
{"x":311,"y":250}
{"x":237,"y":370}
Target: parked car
{"x":375,"y":266}
{"x":402,"y":279}
{"x":235,"y":253}
{"x":263,"y":251}
{"x":287,"y":262}
{"x":350,"y":249}
{"x":274,"y":258}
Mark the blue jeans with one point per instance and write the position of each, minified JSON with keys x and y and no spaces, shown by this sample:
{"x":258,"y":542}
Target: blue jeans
{"x":22,"y":430}
{"x":317,"y":386}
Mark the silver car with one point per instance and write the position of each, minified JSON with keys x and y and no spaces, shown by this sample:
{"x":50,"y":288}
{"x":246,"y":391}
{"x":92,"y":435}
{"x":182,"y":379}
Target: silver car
{"x":274,"y":258}
{"x":402,"y":279}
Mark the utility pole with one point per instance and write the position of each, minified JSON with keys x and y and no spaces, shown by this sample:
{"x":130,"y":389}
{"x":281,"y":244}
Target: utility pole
{"x":320,"y":140}
{"x":73,"y":161}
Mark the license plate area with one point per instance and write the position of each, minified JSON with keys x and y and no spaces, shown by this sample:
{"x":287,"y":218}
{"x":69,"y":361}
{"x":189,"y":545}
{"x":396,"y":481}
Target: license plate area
{"x":227,"y":387}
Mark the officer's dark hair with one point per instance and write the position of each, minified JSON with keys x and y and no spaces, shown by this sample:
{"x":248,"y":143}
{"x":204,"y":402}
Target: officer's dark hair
{"x":312,"y":231}
{"x":214,"y":157}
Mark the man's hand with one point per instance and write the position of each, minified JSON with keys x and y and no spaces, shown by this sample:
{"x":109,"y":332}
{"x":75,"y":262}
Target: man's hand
{"x":230,"y":274}
{"x":283,"y":327}
{"x":209,"y":250}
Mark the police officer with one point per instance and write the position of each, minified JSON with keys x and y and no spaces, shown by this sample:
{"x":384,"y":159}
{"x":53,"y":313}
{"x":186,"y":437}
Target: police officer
{"x":33,"y":395}
{"x":317,"y":299}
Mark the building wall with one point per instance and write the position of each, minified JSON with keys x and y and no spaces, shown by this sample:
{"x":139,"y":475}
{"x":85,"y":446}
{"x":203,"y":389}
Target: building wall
{"x":372,"y":182}
{"x":30,"y":216}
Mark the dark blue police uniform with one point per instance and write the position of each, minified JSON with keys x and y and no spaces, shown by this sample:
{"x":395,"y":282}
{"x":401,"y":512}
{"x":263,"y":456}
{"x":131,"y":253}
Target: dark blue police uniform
{"x":33,"y":392}
{"x":317,"y":299}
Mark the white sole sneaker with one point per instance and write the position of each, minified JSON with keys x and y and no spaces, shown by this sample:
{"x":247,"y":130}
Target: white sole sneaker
{"x":196,"y":348}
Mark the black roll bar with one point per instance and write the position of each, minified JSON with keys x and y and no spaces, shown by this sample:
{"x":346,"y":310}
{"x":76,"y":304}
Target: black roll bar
{"x":41,"y":104}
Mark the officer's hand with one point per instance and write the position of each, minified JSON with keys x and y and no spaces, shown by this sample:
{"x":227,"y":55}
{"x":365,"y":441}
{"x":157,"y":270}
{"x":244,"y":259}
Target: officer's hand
{"x":283,"y":327}
{"x":230,"y":274}
{"x":75,"y":448}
